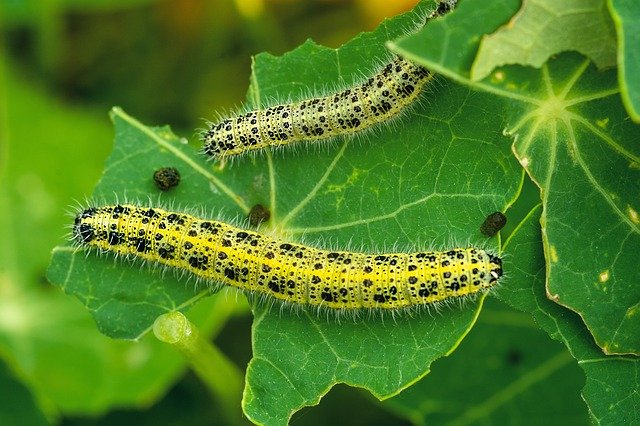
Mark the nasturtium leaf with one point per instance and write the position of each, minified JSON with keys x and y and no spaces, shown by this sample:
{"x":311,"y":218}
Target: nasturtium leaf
{"x":18,"y":404}
{"x":496,"y":376}
{"x":626,"y":18}
{"x":612,"y":389}
{"x":543,"y":28}
{"x":587,"y":168}
{"x":575,"y":140}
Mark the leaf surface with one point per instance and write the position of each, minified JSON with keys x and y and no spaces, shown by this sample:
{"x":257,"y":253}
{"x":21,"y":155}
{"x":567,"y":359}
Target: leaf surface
{"x":612,"y":389}
{"x":543,"y":28}
{"x":626,"y":18}
{"x":496,"y":376}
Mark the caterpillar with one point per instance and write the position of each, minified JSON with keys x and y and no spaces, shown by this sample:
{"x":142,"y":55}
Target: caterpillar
{"x":375,"y":100}
{"x":267,"y":266}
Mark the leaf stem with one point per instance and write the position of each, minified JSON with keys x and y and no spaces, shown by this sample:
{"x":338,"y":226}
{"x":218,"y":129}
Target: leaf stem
{"x":222,"y":378}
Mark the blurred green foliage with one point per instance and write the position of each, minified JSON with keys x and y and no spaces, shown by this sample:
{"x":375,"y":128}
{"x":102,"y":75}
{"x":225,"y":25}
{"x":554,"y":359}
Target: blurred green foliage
{"x":165,"y":61}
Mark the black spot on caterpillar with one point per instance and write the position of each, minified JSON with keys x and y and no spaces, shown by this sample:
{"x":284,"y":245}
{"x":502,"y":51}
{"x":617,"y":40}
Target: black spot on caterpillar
{"x":493,"y":223}
{"x":166,"y":178}
{"x":376,"y":99}
{"x":266,"y":266}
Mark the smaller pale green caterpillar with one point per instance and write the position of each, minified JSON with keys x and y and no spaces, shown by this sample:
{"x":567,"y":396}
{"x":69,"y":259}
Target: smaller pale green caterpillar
{"x":377,"y":99}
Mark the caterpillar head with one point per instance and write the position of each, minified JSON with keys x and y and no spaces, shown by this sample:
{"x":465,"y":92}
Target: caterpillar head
{"x":495,"y":268}
{"x":84,"y":232}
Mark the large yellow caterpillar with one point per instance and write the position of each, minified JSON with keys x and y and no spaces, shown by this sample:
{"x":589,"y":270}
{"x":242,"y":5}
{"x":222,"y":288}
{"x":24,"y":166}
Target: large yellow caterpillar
{"x":376,"y":99}
{"x":302,"y":275}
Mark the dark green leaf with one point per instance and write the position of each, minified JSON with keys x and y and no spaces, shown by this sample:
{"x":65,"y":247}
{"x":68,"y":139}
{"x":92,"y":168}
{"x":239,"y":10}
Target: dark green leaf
{"x":575,"y":141}
{"x":612,"y":391}
{"x":626,"y":17}
{"x":543,"y":28}
{"x":497,"y":375}
{"x":17,"y":405}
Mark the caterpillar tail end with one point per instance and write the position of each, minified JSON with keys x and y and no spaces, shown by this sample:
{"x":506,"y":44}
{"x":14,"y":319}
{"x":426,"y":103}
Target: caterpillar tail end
{"x":210,"y":147}
{"x":219,"y":141}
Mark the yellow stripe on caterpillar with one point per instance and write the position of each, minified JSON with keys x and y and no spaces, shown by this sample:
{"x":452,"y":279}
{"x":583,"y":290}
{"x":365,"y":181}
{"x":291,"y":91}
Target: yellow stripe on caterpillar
{"x":266,"y":266}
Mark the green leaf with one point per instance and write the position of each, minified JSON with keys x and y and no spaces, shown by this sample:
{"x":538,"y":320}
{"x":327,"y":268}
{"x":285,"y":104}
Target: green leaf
{"x":449,"y":45}
{"x":626,"y":17}
{"x":543,"y":28}
{"x":297,"y":359}
{"x":612,"y":391}
{"x":428,"y":182}
{"x":496,"y":377}
{"x":17,"y":405}
{"x":588,"y":147}
{"x":572,"y":135}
